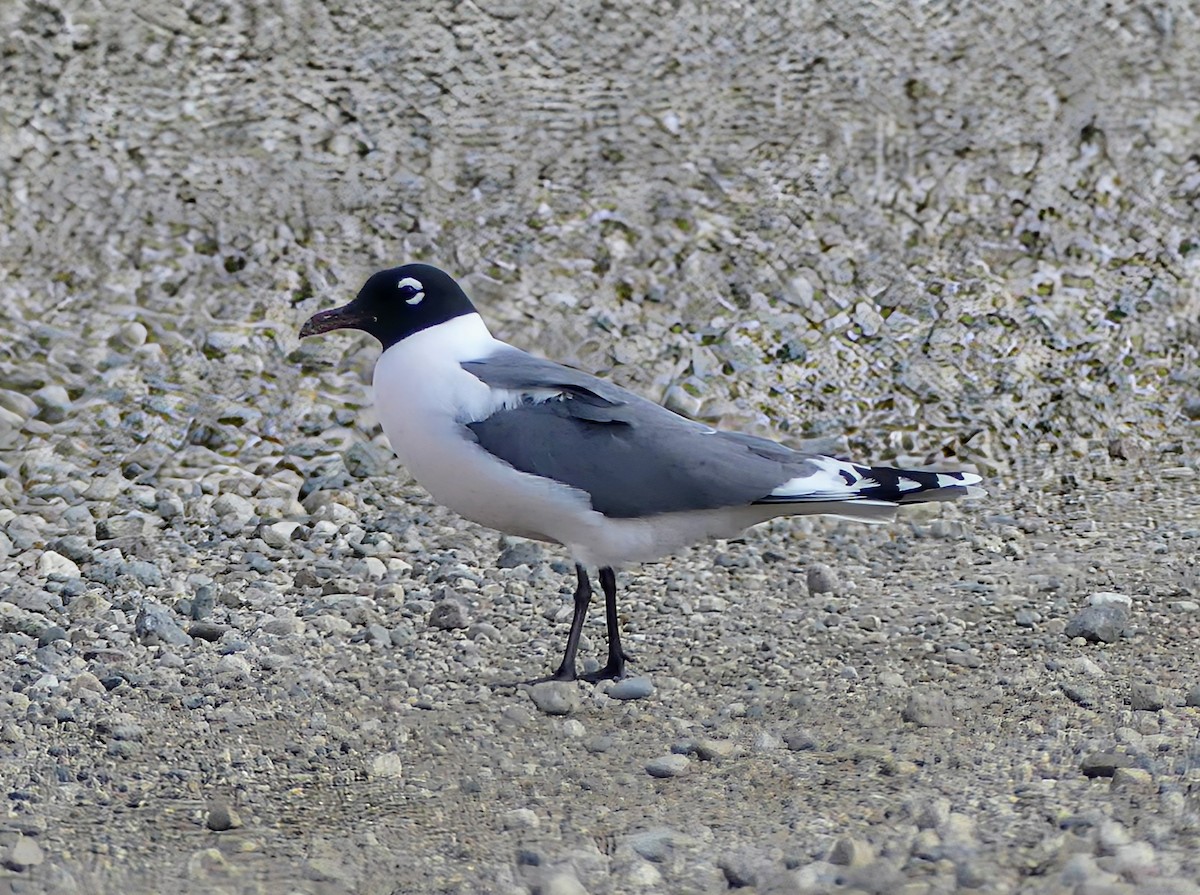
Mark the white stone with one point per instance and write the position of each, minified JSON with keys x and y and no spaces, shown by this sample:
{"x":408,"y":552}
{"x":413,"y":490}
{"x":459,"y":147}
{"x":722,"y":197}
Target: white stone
{"x":51,"y":564}
{"x":387,"y":765}
{"x":1107,"y":598}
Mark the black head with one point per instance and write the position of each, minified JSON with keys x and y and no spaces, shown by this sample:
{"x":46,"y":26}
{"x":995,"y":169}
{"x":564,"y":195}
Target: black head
{"x":396,"y":303}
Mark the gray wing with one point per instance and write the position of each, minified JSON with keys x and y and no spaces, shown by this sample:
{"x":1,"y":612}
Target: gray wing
{"x":631,"y":456}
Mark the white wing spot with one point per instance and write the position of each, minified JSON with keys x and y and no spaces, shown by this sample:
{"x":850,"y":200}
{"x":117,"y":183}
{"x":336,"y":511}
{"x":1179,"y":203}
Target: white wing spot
{"x":413,"y":283}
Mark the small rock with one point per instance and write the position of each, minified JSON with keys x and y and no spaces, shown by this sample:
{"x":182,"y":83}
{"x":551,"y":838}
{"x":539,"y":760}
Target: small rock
{"x":799,"y":740}
{"x":50,"y":634}
{"x":714,"y":750}
{"x":449,"y":613}
{"x":741,"y":869}
{"x":146,"y":573}
{"x":51,"y":564}
{"x":926,"y":709}
{"x":519,"y":553}
{"x":850,"y":852}
{"x":155,"y":623}
{"x":73,"y":547}
{"x":1104,"y":764}
{"x":378,"y":634}
{"x":711,"y":603}
{"x":281,"y":627}
{"x":520,"y":819}
{"x":25,"y":853}
{"x":1193,"y":697}
{"x":386,"y":765}
{"x":131,"y":335}
{"x":233,"y":510}
{"x":132,"y":525}
{"x":555,"y":697}
{"x":821,"y":579}
{"x":932,"y":814}
{"x":631,"y":688}
{"x":1108,"y":598}
{"x":1132,"y":778}
{"x":365,"y":461}
{"x":598,"y":745}
{"x":668,"y":766}
{"x":1027,"y":618}
{"x":1099,"y":624}
{"x":278,"y":534}
{"x":221,"y":818}
{"x":1084,"y":696}
{"x":53,"y":403}
{"x":1146,"y":698}
{"x":203,"y":601}
{"x":209,"y":631}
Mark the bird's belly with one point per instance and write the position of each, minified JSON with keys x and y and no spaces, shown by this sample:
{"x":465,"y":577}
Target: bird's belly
{"x":465,"y":478}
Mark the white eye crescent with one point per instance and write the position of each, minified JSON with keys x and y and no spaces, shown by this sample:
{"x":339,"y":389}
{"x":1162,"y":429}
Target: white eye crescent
{"x":412,"y":287}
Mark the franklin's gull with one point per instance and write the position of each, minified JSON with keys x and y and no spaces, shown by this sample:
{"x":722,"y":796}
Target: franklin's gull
{"x":532,"y":448}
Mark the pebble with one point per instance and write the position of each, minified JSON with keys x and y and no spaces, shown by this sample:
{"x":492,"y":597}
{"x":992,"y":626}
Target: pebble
{"x":520,"y":553}
{"x":711,"y":603}
{"x":156,"y":623}
{"x":234,"y":511}
{"x":131,"y":525}
{"x":1193,"y":697}
{"x":926,"y":709}
{"x":1108,"y":598}
{"x":24,"y":854}
{"x":278,"y":534}
{"x":668,"y":766}
{"x":799,"y":740}
{"x":222,"y":817}
{"x":555,"y":697}
{"x":742,"y":869}
{"x":821,"y":579}
{"x":282,"y":627}
{"x":520,"y":819}
{"x":713,"y":750}
{"x":365,"y":461}
{"x":74,"y":547}
{"x":631,"y":688}
{"x":1099,"y":624}
{"x":207,"y":631}
{"x":53,"y":403}
{"x":449,"y":613}
{"x":1146,"y":698}
{"x":386,"y":765}
{"x":1104,"y":764}
{"x":850,"y":852}
{"x":1132,"y":778}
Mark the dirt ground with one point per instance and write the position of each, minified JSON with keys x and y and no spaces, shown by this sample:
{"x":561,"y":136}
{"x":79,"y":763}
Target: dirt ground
{"x":931,"y":234}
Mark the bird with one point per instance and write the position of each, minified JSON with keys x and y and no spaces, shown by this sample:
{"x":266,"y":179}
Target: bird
{"x":533,"y":448}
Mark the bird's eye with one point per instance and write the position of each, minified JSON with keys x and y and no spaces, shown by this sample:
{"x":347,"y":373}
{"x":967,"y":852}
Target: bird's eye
{"x":411,"y":290}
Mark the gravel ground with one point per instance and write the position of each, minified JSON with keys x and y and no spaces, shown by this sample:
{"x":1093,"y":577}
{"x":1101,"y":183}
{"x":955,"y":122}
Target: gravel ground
{"x":244,"y":653}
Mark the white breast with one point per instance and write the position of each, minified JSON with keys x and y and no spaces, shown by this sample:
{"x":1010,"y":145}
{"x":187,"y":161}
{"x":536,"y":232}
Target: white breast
{"x":424,"y":399}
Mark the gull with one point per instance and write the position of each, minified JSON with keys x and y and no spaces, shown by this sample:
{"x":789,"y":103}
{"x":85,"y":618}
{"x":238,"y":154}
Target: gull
{"x":536,"y":449}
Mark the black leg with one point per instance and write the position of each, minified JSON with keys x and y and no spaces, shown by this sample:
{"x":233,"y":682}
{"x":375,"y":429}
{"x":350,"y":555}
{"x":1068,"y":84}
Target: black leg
{"x":615,"y":668}
{"x":583,"y":598}
{"x":566,"y":670}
